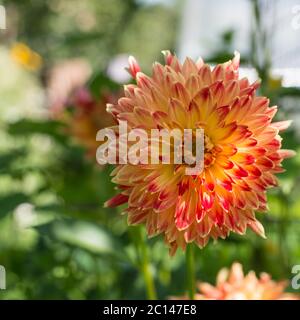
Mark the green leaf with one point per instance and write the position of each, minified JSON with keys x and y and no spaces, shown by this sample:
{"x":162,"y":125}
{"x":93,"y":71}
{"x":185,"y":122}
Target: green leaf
{"x":100,"y":82}
{"x":26,"y":127}
{"x":8,"y":158}
{"x":10,"y":202}
{"x":82,"y":234}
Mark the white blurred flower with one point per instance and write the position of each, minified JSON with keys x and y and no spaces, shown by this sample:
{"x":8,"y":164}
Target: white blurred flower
{"x":116,"y":68}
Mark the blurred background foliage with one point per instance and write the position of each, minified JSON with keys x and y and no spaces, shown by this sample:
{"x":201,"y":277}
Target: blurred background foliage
{"x":56,"y":239}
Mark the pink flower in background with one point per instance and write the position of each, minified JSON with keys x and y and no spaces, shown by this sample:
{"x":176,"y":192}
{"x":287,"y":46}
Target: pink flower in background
{"x":234,"y":285}
{"x":63,"y":79}
{"x":84,"y":115}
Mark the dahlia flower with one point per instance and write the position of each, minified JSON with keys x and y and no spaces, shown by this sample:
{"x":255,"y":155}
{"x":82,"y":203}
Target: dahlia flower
{"x":242,"y":151}
{"x":86,"y":116}
{"x":234,"y":285}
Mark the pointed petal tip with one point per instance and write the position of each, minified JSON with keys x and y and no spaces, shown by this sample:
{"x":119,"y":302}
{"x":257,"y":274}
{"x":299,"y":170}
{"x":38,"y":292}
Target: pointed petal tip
{"x":166,"y":52}
{"x":132,"y":60}
{"x":285,"y":154}
{"x":258,"y":228}
{"x":199,"y":62}
{"x":134,"y":67}
{"x":115,"y":201}
{"x":236,"y":59}
{"x":168,"y":56}
{"x":282,"y":125}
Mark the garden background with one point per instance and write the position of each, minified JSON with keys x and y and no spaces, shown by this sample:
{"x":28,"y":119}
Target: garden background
{"x":56,"y":238}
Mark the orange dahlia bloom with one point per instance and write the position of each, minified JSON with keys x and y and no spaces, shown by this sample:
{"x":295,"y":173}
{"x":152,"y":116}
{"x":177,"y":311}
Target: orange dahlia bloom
{"x":234,"y":285}
{"x":242,"y":151}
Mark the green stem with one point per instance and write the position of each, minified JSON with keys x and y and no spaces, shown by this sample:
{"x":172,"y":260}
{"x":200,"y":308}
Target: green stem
{"x":282,"y":232}
{"x":144,"y":263}
{"x":190,"y":271}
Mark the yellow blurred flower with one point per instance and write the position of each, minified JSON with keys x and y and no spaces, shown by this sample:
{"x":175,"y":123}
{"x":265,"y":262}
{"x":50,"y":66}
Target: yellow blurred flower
{"x":274,"y":82}
{"x":25,"y":56}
